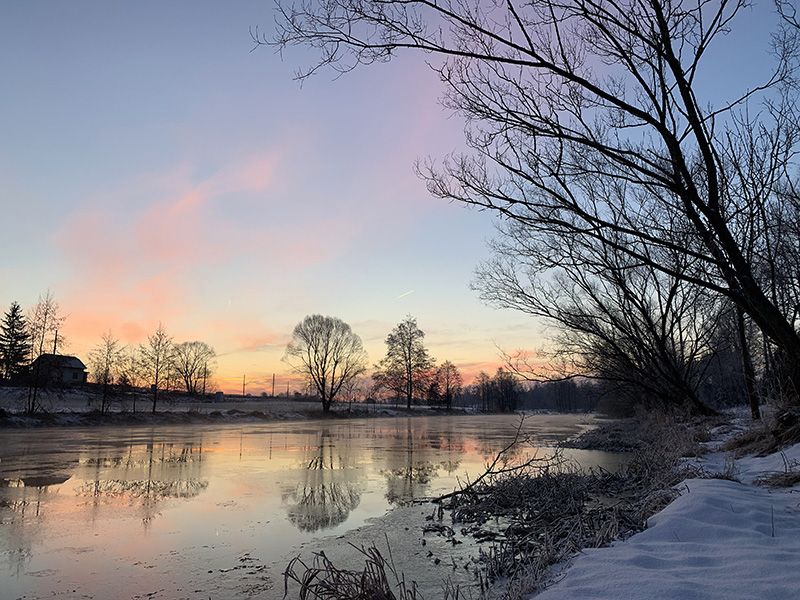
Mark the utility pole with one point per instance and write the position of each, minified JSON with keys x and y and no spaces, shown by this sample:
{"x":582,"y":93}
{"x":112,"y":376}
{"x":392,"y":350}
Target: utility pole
{"x":243,"y":385}
{"x":273,"y":385}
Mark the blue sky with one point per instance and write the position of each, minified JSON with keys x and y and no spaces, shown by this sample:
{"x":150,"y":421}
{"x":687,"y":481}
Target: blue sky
{"x":154,"y":168}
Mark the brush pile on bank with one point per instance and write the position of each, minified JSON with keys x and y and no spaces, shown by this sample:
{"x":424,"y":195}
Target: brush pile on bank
{"x":543,"y":513}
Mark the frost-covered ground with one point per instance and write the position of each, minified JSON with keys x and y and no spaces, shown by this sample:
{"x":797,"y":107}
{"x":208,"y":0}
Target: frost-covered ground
{"x":78,"y":407}
{"x":720,"y":539}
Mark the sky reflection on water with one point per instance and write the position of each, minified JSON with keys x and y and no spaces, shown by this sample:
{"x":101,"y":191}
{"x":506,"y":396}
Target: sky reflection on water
{"x":173,"y":512}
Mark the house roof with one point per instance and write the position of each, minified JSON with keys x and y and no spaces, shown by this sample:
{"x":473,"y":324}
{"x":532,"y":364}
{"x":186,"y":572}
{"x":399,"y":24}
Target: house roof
{"x":64,"y":362}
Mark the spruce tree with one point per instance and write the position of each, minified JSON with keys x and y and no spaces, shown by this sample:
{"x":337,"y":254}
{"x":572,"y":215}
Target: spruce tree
{"x":15,"y":343}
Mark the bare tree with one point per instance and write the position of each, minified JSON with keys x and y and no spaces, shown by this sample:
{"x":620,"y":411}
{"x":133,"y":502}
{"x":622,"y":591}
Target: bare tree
{"x":482,"y":386}
{"x":194,"y":363}
{"x":156,"y":360}
{"x":43,"y":325}
{"x":44,"y":322}
{"x":407,"y":367}
{"x":131,"y":372}
{"x":105,"y":361}
{"x":505,"y":390}
{"x":629,"y":324}
{"x":328,"y":354}
{"x":586,"y":120}
{"x":449,"y":383}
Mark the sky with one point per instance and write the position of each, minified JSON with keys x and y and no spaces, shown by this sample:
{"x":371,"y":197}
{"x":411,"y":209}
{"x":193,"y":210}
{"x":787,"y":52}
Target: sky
{"x":155,"y":168}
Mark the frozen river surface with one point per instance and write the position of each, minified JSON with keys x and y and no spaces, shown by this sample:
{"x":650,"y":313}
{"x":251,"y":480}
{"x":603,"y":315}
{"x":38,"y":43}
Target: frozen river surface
{"x":215,"y":511}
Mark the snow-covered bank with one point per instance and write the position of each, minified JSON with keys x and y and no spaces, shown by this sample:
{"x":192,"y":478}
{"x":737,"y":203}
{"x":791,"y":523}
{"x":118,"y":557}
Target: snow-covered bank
{"x":720,"y":539}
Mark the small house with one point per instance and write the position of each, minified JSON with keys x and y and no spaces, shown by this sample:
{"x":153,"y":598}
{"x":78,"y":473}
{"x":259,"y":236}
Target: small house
{"x":56,"y":368}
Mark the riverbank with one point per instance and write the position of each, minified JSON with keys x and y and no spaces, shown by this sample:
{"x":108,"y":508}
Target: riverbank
{"x":733,"y":534}
{"x":729,"y":528}
{"x":78,"y":408}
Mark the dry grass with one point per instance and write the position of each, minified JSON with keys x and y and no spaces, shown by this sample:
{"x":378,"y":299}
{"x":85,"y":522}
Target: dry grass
{"x":766,"y":437}
{"x":322,"y":580}
{"x":789,"y":477}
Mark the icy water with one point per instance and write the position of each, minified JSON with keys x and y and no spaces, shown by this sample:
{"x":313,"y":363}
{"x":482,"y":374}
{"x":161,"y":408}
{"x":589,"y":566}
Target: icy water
{"x":202,"y":511}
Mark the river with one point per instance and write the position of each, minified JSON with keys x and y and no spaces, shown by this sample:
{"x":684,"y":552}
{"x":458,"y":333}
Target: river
{"x":215,"y":511}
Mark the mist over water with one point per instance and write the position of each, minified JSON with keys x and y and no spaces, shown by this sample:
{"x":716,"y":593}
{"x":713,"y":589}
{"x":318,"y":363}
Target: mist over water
{"x":200,"y":510}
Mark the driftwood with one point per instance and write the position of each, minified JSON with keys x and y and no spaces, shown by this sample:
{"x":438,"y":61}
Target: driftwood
{"x":506,"y":467}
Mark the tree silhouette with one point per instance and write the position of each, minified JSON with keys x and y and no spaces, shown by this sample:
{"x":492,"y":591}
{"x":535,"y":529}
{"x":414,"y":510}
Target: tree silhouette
{"x":105,"y":360}
{"x":407,"y":367}
{"x":327,"y":352}
{"x":194,"y":364}
{"x":156,"y":360}
{"x":15,"y":344}
{"x":586,"y":121}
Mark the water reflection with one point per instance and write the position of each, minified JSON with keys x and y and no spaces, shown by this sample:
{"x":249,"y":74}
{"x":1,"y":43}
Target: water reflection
{"x":409,"y":479}
{"x":77,"y":505}
{"x":23,"y":504}
{"x":329,"y":489}
{"x":143,"y":476}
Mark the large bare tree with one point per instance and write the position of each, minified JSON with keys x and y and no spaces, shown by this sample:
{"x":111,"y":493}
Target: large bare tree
{"x":586,"y":119}
{"x":327,"y":352}
{"x":644,"y":332}
{"x":194,"y":363}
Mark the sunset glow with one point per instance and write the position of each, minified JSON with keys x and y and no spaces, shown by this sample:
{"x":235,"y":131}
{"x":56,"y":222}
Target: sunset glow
{"x":181,"y":178}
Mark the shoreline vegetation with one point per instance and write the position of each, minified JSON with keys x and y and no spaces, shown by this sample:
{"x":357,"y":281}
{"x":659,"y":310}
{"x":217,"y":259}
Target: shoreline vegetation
{"x":530,"y":520}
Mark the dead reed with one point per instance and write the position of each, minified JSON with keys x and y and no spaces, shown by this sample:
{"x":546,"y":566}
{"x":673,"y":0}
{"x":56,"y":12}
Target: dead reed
{"x":322,"y":580}
{"x":769,"y":436}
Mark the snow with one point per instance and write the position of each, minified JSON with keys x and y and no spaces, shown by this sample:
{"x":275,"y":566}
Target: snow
{"x":718,"y":540}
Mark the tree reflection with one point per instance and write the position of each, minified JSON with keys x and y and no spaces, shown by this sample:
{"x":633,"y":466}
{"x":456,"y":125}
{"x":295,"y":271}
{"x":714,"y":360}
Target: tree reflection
{"x":25,"y":504}
{"x":328,"y":492}
{"x":410,"y":479}
{"x":160,"y":472}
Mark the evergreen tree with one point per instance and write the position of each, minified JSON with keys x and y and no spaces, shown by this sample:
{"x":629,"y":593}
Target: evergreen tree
{"x":15,"y":344}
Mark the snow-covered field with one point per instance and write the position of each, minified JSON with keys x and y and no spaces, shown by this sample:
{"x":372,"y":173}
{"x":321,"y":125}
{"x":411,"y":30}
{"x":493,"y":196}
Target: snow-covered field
{"x":74,"y":407}
{"x":720,"y":539}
